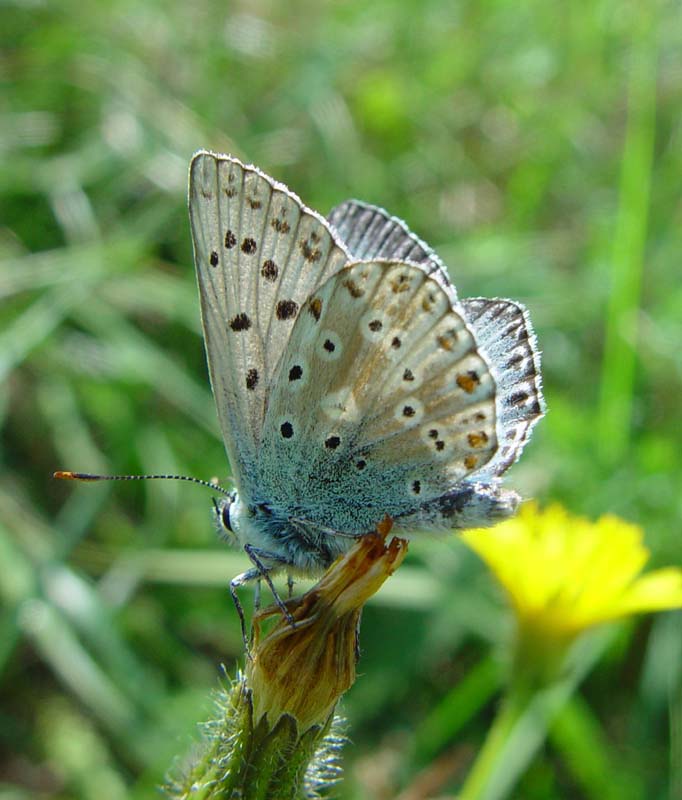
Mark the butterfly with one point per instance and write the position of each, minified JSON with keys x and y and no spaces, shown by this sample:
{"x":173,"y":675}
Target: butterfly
{"x":350,"y":380}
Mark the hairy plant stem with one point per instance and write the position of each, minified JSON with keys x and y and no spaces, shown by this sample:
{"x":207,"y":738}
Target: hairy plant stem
{"x":275,"y":735}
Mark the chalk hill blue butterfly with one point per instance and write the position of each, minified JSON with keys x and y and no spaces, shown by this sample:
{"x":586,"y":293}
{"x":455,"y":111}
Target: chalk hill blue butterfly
{"x":350,"y":380}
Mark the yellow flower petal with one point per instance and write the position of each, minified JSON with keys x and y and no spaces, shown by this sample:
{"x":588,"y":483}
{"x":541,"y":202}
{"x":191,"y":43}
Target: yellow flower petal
{"x":656,"y":591}
{"x":565,"y":574}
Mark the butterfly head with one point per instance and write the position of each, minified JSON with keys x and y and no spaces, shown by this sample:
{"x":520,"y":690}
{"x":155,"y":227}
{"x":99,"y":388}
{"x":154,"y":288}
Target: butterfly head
{"x":224,"y":510}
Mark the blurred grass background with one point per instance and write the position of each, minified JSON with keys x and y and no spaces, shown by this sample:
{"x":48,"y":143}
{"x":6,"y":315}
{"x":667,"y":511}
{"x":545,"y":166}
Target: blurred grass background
{"x":537,"y":147}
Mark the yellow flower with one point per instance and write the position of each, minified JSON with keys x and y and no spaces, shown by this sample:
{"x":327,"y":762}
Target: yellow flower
{"x":565,"y":574}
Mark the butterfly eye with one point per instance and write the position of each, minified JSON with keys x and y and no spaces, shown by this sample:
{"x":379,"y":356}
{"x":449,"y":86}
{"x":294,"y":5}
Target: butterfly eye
{"x":225,"y":516}
{"x":222,"y":513}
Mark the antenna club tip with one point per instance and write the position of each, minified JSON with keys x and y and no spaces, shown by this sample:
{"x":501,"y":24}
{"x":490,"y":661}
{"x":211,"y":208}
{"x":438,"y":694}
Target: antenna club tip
{"x":67,"y":475}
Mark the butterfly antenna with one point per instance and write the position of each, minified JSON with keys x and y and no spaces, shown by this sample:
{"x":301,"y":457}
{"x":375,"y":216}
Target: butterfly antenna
{"x":67,"y":475}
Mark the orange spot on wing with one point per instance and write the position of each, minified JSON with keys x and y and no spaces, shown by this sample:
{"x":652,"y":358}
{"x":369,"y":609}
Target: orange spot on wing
{"x":477,"y":439}
{"x":468,"y":381}
{"x":316,"y":307}
{"x":353,"y":288}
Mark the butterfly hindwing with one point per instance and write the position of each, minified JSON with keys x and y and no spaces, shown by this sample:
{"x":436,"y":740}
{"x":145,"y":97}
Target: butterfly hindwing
{"x":259,"y":252}
{"x":371,"y":232}
{"x":504,"y":332}
{"x":380,"y":402}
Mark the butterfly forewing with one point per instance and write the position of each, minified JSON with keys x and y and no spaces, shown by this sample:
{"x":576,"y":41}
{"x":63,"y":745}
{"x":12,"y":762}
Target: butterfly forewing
{"x":502,"y":327}
{"x":381,"y":400}
{"x":259,"y":252}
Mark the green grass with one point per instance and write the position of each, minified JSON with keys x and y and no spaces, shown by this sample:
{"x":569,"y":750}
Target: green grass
{"x":536,"y":148}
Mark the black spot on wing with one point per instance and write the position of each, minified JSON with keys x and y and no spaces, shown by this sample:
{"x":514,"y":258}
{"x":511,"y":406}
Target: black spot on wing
{"x":252,"y":379}
{"x":269,"y":270}
{"x":280,"y":225}
{"x":286,"y":309}
{"x":240,"y":323}
{"x":310,"y":253}
{"x":287,"y":430}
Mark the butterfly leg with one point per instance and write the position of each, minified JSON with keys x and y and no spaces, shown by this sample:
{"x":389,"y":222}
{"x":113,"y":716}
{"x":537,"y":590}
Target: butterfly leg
{"x":356,"y":646}
{"x":290,"y":586}
{"x":256,"y":596}
{"x":255,"y":554}
{"x":235,"y":583}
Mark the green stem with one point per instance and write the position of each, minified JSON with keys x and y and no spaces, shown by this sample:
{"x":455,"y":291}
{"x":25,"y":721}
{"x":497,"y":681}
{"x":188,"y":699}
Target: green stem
{"x":513,"y":707}
{"x":258,"y":761}
{"x":627,"y":263}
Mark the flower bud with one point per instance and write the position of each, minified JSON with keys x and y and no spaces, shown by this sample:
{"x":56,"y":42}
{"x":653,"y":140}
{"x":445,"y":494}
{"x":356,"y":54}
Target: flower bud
{"x":303,"y":669}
